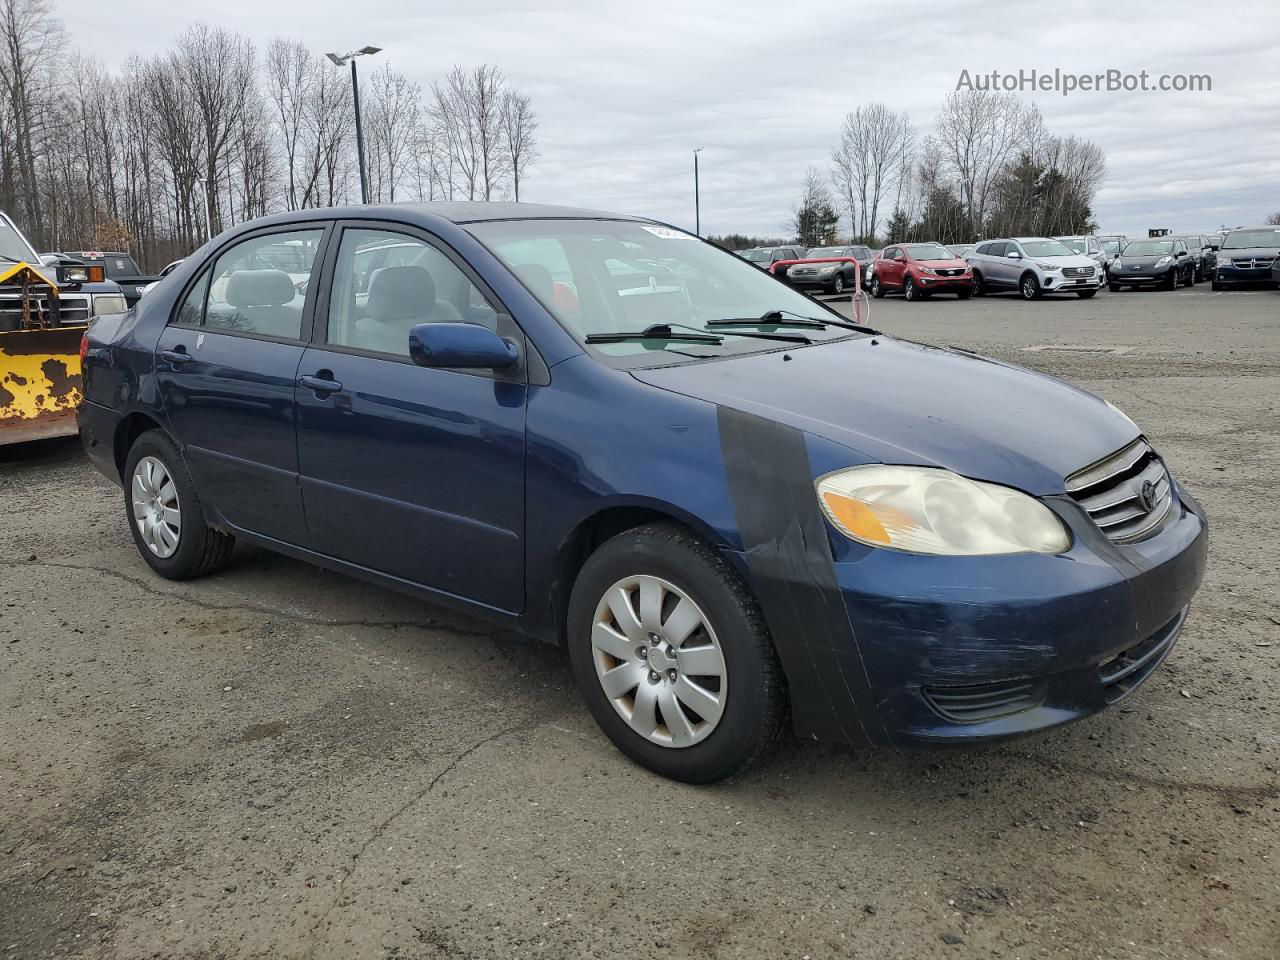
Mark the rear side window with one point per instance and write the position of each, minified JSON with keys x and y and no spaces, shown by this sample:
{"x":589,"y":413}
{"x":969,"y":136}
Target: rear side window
{"x":258,"y":286}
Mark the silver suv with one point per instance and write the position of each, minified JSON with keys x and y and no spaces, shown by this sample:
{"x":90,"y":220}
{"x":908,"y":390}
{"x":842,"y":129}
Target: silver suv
{"x":1033,"y":266}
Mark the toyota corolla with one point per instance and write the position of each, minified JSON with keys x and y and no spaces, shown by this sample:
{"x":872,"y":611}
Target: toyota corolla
{"x":737,"y":509}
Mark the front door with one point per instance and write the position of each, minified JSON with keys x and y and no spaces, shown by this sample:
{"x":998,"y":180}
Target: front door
{"x":226,"y":367}
{"x":405,"y":470}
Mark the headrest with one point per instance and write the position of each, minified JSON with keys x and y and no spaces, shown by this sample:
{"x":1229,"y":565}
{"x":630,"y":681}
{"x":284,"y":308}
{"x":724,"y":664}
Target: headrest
{"x":538,"y":279}
{"x":401,"y":293}
{"x":259,"y":288}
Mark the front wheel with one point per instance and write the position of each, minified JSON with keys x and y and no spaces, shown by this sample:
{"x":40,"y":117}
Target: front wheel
{"x":877,"y":289}
{"x":1190,"y":279}
{"x":1113,"y":287}
{"x":672,"y":655}
{"x":838,"y":286}
{"x":165,"y":515}
{"x":909,"y":290}
{"x":1029,"y":287}
{"x":979,"y":289}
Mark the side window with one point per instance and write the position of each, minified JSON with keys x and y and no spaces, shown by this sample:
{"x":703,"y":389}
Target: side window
{"x":249,"y":292}
{"x":542,"y":264}
{"x":386,"y":283}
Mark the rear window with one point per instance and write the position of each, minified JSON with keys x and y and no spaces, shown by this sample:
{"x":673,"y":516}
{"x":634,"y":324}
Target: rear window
{"x":121,"y":267}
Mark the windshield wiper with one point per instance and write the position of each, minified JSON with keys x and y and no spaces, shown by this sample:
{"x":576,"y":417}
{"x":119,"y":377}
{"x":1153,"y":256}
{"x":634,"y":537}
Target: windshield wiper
{"x":656,"y":331}
{"x":776,"y":318}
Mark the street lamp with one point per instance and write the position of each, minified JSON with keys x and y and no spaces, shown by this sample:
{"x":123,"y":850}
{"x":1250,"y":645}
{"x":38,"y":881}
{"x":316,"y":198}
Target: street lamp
{"x":342,"y":61}
{"x":697,"y":209}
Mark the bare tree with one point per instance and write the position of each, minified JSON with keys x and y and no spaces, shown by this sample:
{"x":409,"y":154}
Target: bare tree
{"x":1273,"y":219}
{"x":519,"y":126}
{"x":867,"y":162}
{"x":291,"y":78}
{"x":978,"y":133}
{"x":393,"y":126}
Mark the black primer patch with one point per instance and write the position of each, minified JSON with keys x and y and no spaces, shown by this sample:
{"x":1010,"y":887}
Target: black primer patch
{"x":793,"y":575}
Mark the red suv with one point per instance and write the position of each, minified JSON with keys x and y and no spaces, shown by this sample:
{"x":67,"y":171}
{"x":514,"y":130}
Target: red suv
{"x":920,"y":270}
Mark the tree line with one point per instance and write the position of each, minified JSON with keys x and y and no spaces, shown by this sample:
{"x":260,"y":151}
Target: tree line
{"x":158,"y":156}
{"x":990,"y":167}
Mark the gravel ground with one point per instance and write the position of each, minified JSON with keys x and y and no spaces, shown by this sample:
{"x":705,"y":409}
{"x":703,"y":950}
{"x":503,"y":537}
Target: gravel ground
{"x":279,"y":762}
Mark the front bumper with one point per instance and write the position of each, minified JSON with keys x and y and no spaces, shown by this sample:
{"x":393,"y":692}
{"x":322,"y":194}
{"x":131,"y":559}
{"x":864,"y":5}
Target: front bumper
{"x":1229,"y":274}
{"x":932,"y":282}
{"x":964,"y":649}
{"x":1153,"y":277}
{"x":1059,"y":282}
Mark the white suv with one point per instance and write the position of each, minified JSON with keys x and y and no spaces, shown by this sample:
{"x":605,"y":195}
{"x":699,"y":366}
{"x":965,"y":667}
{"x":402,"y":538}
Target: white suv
{"x":1033,"y":266}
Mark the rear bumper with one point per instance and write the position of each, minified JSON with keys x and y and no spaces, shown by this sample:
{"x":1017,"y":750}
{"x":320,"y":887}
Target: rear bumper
{"x":97,"y":427}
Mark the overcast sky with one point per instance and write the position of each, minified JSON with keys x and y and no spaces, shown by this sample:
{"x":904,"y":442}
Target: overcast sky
{"x":624,"y":91}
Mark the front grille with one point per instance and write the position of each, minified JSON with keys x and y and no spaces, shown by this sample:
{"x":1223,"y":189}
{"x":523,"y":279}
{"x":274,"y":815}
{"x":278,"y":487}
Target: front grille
{"x":1077,"y":271}
{"x":802,"y":271}
{"x":1128,"y":494}
{"x":1253,"y":264}
{"x":951,"y":272}
{"x":1122,"y":673}
{"x":73,"y":310}
{"x":985,"y":701}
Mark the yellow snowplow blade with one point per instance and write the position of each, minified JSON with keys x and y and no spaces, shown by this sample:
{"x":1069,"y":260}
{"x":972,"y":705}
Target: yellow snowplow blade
{"x":39,"y":383}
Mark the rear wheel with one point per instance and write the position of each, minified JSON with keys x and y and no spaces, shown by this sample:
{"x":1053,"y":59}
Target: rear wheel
{"x":672,"y":655}
{"x":165,"y":515}
{"x":1189,"y":280}
{"x":838,"y":286}
{"x":1029,"y":286}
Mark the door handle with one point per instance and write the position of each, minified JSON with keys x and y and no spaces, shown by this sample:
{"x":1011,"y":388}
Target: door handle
{"x":320,"y":384}
{"x":176,"y":356}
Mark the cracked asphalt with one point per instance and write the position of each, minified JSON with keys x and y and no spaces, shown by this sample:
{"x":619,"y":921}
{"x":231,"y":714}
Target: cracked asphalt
{"x":278,"y":762}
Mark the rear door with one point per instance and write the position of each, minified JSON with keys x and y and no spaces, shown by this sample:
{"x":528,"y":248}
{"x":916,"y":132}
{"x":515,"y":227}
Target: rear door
{"x":411,"y":471}
{"x":226,"y":366}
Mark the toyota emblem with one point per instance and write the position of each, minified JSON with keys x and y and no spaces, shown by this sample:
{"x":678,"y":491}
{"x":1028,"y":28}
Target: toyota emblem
{"x":1147,"y":496}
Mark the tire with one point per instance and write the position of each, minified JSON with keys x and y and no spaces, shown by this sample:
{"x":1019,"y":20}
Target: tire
{"x":1216,"y":286}
{"x":877,"y":288}
{"x":979,"y":286}
{"x":1113,"y":287}
{"x":909,"y":290}
{"x":754,"y":706}
{"x":837,"y":285}
{"x":1190,"y":279}
{"x":1029,"y":287}
{"x":964,"y":294}
{"x":157,"y":474}
{"x":1171,"y":283}
{"x":1085,"y":294}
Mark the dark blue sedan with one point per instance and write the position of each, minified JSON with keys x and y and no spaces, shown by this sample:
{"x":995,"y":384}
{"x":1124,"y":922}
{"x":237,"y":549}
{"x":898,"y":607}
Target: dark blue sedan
{"x":735,"y":507}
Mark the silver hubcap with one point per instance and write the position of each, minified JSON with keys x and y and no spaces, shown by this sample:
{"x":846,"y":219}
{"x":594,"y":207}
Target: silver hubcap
{"x":155,"y":507}
{"x":658,"y":661}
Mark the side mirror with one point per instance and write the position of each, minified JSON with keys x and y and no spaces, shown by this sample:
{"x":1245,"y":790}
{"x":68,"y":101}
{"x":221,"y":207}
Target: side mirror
{"x":1181,"y":253}
{"x":461,"y":346}
{"x":1014,"y":255}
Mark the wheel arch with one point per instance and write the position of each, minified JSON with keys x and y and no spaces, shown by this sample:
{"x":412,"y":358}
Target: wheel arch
{"x":602,"y":525}
{"x":128,"y":430}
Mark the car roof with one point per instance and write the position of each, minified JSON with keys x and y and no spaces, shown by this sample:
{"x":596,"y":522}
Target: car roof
{"x":453,"y":211}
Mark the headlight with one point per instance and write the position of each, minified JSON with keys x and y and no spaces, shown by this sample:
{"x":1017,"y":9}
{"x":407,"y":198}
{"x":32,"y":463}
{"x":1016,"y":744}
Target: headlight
{"x":75,"y":274}
{"x":108,"y":303}
{"x":827,"y":270}
{"x":1163,"y":261}
{"x":1116,"y":264}
{"x":930,"y":510}
{"x":925,"y":269}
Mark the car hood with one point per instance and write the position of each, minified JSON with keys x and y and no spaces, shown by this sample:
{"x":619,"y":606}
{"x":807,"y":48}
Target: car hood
{"x":1145,"y":260}
{"x":1074,"y":260}
{"x":1250,"y":253}
{"x":953,"y":264}
{"x":894,"y":401}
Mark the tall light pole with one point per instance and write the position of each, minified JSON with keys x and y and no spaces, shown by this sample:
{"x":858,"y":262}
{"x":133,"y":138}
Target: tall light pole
{"x":342,"y":61}
{"x":697,"y":207}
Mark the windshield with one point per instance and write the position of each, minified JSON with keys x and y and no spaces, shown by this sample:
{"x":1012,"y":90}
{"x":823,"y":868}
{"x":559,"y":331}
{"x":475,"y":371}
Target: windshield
{"x":819,"y":252}
{"x":1240,"y":239}
{"x":1077,"y":245}
{"x":614,"y":276}
{"x":755,"y":256}
{"x":928,"y":251}
{"x":1111,"y":246}
{"x":13,"y":244}
{"x":1148,"y":248}
{"x":1045,"y":248}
